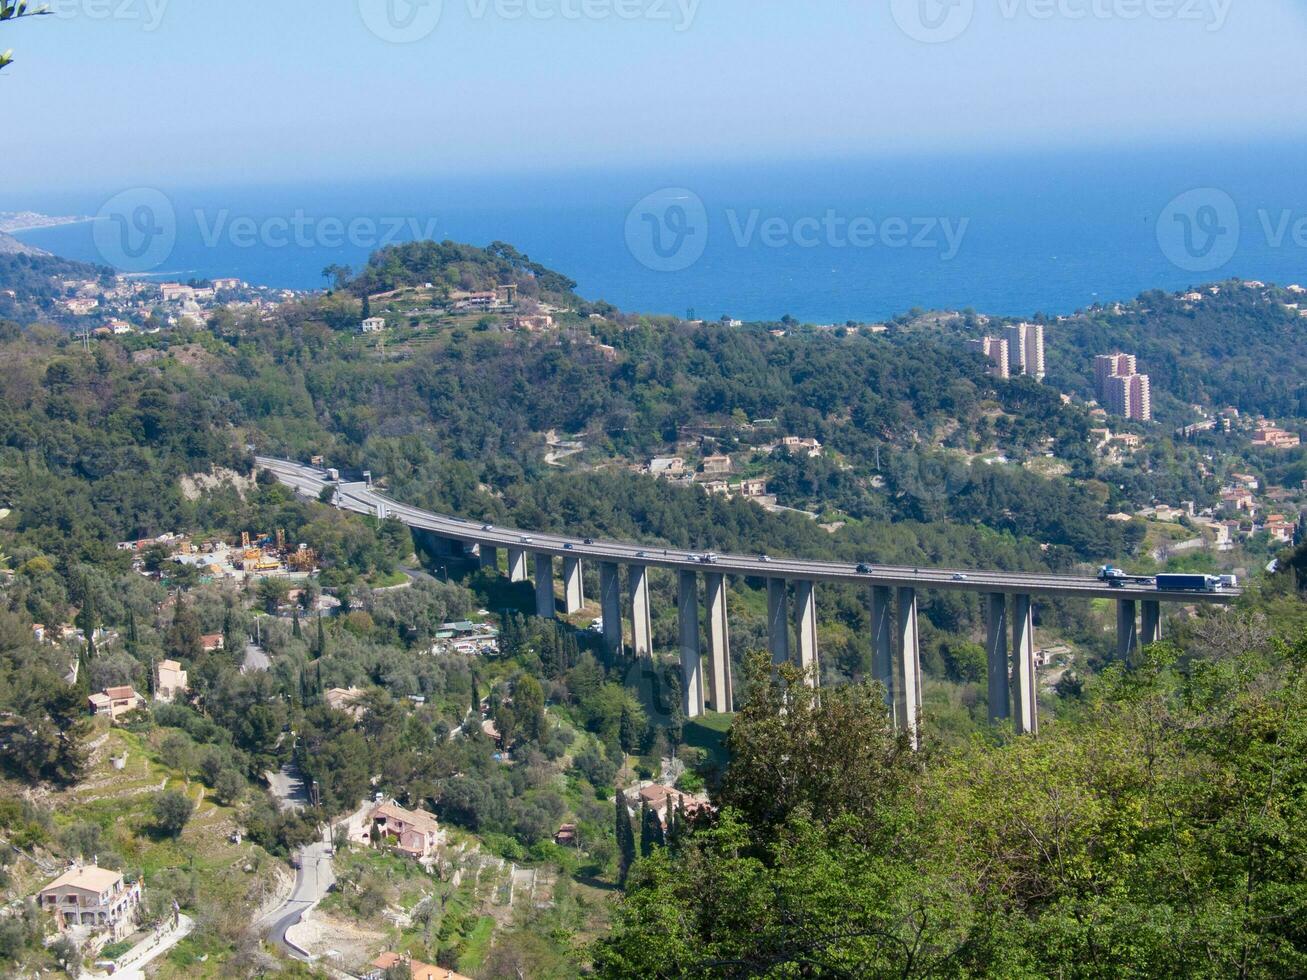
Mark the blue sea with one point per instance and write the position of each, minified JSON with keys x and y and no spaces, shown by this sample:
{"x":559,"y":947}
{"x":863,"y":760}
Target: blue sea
{"x":825,"y":241}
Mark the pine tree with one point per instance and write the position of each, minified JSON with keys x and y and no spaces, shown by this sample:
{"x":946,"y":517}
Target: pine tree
{"x":625,"y":840}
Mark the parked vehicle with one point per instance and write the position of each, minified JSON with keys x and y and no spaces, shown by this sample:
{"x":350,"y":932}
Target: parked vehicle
{"x":708,"y":559}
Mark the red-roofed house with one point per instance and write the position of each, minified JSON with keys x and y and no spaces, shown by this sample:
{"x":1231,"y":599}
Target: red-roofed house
{"x":114,"y":702}
{"x":417,"y":969}
{"x":92,"y":897}
{"x":414,"y":833}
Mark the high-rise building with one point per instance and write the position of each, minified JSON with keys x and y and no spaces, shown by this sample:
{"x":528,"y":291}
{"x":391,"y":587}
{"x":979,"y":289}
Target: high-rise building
{"x":996,"y":349}
{"x":1130,"y":396}
{"x":1025,"y":348}
{"x":1107,"y":365}
{"x":1122,"y":390}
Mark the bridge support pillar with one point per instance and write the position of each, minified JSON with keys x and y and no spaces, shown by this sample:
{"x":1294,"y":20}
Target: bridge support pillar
{"x":641,"y":621}
{"x":517,"y":565}
{"x":691,"y":663}
{"x":1000,"y":695}
{"x":805,"y":614}
{"x":1151,"y":627}
{"x":489,"y":556}
{"x":722,"y":689}
{"x":610,"y":604}
{"x":544,"y":586}
{"x":1127,"y":633}
{"x":882,"y":642}
{"x":910,"y":665}
{"x":1023,"y":648}
{"x":573,"y":587}
{"x":778,"y":620}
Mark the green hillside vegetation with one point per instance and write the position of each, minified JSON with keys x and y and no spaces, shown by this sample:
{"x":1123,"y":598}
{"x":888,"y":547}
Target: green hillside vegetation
{"x":111,"y":816}
{"x":452,"y":266}
{"x":1157,"y":830}
{"x":94,"y":449}
{"x":1213,"y":352}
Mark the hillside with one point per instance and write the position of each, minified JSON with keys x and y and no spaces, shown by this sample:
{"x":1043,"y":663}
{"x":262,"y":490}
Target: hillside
{"x":451,"y":266}
{"x":9,"y":245}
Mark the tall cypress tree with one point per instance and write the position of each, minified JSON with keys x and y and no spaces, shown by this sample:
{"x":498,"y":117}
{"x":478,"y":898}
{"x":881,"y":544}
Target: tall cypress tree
{"x":625,"y":840}
{"x":295,"y":630}
{"x":651,"y":830}
{"x":322,"y":640}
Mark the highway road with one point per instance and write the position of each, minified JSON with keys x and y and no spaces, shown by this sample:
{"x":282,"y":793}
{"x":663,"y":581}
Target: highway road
{"x":358,"y":497}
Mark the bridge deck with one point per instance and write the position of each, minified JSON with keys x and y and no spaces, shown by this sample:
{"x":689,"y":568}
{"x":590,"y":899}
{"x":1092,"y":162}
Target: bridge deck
{"x":359,"y":498}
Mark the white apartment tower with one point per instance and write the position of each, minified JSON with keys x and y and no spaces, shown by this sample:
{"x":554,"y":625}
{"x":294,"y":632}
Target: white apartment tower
{"x":996,"y":350}
{"x":1025,"y":348}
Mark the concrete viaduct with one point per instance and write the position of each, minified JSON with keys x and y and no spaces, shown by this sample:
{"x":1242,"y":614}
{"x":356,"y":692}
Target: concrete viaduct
{"x":791,"y":602}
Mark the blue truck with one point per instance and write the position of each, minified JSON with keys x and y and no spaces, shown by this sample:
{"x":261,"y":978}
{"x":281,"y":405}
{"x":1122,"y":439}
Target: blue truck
{"x":1195,"y":583}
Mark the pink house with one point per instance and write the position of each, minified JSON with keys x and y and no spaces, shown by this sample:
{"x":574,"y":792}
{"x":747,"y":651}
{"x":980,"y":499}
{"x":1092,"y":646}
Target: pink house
{"x":414,"y":833}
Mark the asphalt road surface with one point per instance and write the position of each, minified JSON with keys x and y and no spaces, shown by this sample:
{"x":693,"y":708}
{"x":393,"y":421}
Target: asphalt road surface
{"x":358,"y":497}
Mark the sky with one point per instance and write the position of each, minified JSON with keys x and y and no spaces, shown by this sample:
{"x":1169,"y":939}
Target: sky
{"x":107,"y":92}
